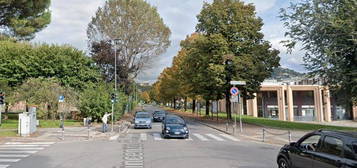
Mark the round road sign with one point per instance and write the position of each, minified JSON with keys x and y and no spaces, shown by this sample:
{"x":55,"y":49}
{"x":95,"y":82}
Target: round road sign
{"x":234,"y":91}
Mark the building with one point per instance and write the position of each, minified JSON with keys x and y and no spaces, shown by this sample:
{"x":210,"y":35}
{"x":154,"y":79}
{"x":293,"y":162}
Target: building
{"x":303,"y":100}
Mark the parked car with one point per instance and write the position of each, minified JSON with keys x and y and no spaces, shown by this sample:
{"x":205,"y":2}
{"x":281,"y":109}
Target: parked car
{"x":321,"y":149}
{"x":142,"y":120}
{"x":159,"y":116}
{"x":174,"y":126}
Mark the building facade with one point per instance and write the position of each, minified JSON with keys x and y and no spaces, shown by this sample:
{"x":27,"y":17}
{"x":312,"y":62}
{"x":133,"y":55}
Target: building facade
{"x":295,"y":101}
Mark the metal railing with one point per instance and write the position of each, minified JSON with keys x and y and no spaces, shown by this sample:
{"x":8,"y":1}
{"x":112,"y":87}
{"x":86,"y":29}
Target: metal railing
{"x":265,"y":132}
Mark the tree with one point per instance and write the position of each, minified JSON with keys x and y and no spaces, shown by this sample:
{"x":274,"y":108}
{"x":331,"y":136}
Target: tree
{"x":22,"y":19}
{"x":142,"y":34}
{"x":44,"y":92}
{"x":238,"y":26}
{"x":95,"y":101}
{"x":20,"y":61}
{"x":145,"y":96}
{"x":327,"y":31}
{"x":204,"y":66}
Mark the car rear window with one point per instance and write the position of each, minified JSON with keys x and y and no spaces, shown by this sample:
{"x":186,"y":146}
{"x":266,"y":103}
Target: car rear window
{"x":142,"y":116}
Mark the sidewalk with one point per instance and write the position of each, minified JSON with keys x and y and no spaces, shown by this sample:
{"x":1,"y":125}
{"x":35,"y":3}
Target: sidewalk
{"x":250,"y":132}
{"x":70,"y":134}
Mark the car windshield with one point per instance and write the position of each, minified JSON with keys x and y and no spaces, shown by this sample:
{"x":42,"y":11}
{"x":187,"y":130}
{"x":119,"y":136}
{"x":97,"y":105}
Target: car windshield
{"x":143,"y":115}
{"x":174,"y":120}
{"x":159,"y":113}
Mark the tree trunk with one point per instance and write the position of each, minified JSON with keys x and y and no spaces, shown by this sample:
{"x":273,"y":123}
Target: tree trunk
{"x":207,"y":107}
{"x":228,"y":106}
{"x":174,"y":103}
{"x":185,"y":106}
{"x":193,"y":105}
{"x":6,"y":116}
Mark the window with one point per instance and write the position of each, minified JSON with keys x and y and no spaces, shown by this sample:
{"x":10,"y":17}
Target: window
{"x":310,"y":143}
{"x":332,"y":145}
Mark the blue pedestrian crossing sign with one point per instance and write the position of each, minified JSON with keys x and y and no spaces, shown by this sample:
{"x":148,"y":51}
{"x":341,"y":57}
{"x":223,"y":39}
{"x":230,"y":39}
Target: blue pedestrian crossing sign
{"x":234,"y":91}
{"x":61,"y":98}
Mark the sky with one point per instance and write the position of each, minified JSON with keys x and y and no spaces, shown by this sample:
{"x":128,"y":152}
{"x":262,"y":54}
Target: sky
{"x":70,"y":20}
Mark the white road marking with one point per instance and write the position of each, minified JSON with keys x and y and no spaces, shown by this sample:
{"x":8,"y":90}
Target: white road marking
{"x":229,"y":137}
{"x":13,"y":156}
{"x":157,"y":136}
{"x":9,"y":160}
{"x":18,"y":148}
{"x":143,"y":137}
{"x":201,"y":137}
{"x":189,"y":139}
{"x":4,"y":166}
{"x":24,"y":145}
{"x":215,"y":137}
{"x":17,"y":152}
{"x":114,"y":137}
{"x":29,"y":143}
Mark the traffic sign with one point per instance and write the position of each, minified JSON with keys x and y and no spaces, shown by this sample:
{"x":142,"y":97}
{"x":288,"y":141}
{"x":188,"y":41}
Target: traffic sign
{"x":238,"y":83}
{"x":234,"y":91}
{"x":61,"y":99}
{"x":235,"y":99}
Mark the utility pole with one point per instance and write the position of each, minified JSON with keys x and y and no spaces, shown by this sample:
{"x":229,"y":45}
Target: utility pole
{"x":115,"y":78}
{"x":2,"y":104}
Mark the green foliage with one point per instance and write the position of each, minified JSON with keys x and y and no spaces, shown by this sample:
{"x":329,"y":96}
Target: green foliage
{"x":205,"y":72}
{"x":327,"y":31}
{"x":236,"y":23}
{"x":95,"y":101}
{"x":22,"y":19}
{"x":140,"y":30}
{"x":20,"y":61}
{"x":44,"y":92}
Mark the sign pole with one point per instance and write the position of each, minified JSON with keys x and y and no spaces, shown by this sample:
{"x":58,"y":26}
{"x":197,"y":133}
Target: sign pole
{"x":240,"y":115}
{"x":112,"y":117}
{"x":235,"y":117}
{"x":2,"y":106}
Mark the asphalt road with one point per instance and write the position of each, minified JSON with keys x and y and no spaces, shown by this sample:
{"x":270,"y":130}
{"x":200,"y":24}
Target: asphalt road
{"x":206,"y":148}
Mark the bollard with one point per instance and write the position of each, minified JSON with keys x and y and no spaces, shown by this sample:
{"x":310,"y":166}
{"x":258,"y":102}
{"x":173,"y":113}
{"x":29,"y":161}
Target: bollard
{"x":289,"y":136}
{"x":62,"y":133}
{"x":263,"y":135}
{"x":233,"y":129}
{"x":226,"y":127}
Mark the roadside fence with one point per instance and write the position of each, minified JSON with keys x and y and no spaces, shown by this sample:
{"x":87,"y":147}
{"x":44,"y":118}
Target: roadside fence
{"x":266,"y":132}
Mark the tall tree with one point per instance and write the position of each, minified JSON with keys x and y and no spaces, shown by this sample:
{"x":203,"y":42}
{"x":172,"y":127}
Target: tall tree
{"x":22,"y":19}
{"x":327,"y":31}
{"x":253,"y":58}
{"x":141,"y":33}
{"x":20,"y":61}
{"x":204,"y":66}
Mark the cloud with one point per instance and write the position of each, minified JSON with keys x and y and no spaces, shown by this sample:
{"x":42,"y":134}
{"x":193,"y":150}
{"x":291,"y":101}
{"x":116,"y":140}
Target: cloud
{"x":262,"y":5}
{"x":70,"y":20}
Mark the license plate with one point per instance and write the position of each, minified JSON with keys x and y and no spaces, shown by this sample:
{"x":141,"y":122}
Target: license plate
{"x":177,"y":133}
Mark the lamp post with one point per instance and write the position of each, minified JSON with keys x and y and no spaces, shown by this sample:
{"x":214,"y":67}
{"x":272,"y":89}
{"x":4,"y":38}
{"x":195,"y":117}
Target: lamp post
{"x":115,"y":78}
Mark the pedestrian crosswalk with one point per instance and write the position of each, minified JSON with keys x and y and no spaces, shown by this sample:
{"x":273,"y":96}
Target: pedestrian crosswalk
{"x":209,"y":137}
{"x":12,"y":152}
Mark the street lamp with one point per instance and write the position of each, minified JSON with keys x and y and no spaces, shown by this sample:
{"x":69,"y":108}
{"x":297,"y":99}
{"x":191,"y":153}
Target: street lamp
{"x":115,"y":76}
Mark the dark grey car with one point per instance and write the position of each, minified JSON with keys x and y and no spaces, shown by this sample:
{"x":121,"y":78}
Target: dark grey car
{"x":174,"y":127}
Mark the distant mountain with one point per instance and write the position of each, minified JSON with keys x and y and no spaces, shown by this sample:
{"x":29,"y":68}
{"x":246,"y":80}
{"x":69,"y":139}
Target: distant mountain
{"x":285,"y":73}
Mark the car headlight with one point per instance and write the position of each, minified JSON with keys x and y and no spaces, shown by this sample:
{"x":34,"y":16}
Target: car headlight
{"x":136,"y":122}
{"x":185,"y":128}
{"x":168,"y":128}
